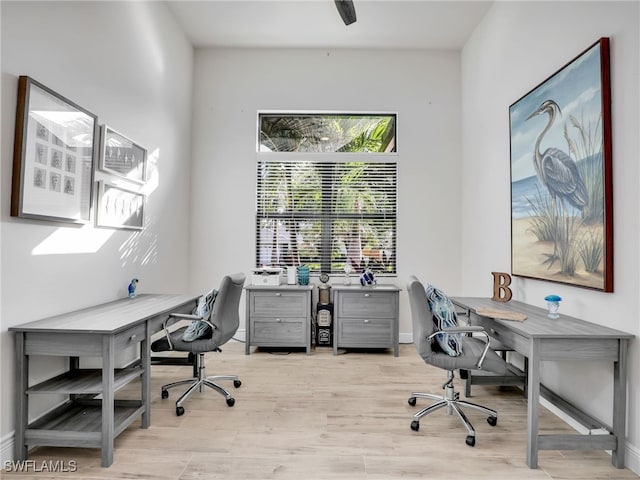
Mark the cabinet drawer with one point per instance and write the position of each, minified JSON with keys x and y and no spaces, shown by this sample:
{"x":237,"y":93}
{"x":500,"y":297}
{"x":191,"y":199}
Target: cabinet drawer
{"x":129,"y":337}
{"x":367,"y":304}
{"x":279,"y":304}
{"x":278,"y":331}
{"x":359,"y":332}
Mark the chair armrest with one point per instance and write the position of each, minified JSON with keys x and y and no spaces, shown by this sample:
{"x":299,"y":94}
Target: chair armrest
{"x":187,"y":316}
{"x":174,"y":317}
{"x":467,"y":329}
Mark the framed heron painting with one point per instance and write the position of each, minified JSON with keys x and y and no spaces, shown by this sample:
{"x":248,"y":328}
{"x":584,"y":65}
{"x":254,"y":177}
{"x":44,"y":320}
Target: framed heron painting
{"x":561,"y":185}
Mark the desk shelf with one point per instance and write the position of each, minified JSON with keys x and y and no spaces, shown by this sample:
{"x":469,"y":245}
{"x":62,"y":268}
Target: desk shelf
{"x":79,"y":424}
{"x":84,"y":381}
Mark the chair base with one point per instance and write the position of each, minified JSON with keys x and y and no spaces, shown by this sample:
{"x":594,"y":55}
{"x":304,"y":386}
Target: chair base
{"x":451,"y":400}
{"x":197,"y":383}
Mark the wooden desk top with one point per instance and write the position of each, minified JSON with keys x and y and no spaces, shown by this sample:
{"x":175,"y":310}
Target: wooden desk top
{"x":538,"y":324}
{"x":109,"y":318}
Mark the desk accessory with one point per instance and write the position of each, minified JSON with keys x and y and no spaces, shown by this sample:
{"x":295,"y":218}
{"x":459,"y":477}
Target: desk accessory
{"x":291,"y":275}
{"x":303,"y":275}
{"x":347,"y":274}
{"x":553,"y":305}
{"x":367,"y":278}
{"x":132,"y":287}
{"x":269,"y":276}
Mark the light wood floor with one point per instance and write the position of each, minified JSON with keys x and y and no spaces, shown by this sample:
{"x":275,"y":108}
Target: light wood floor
{"x":325,"y":417}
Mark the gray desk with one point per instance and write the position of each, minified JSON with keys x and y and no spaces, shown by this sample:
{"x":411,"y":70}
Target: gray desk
{"x":100,"y":331}
{"x":540,"y":338}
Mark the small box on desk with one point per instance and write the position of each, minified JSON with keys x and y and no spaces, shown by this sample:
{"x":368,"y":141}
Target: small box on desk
{"x":268,"y":276}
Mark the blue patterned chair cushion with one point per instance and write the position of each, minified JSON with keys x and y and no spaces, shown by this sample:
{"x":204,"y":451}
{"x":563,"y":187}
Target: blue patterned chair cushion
{"x":444,"y":316}
{"x":198,"y":329}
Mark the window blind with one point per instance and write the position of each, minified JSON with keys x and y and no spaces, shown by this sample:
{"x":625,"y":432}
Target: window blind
{"x":327,"y":215}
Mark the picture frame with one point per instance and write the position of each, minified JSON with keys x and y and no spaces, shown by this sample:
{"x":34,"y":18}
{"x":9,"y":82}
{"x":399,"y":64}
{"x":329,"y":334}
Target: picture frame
{"x":561,"y":175}
{"x":121,"y":156}
{"x":53,"y":159}
{"x":119,"y":207}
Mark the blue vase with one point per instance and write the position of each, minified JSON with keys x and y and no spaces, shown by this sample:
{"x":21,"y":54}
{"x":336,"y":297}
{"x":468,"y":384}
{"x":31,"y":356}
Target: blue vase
{"x":303,"y":275}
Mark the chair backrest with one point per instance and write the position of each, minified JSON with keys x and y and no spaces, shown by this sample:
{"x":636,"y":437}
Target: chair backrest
{"x":225,"y":315}
{"x":421,"y":317}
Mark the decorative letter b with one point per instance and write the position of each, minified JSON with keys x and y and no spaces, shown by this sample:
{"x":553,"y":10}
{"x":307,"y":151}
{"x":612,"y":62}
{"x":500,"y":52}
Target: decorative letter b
{"x":501,"y":290}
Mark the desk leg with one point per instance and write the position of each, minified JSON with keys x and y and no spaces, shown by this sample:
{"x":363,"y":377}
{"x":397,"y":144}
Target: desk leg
{"x":247,"y":327}
{"x":21,"y":398}
{"x":619,"y":404}
{"x":533,"y":404}
{"x":108,"y":429}
{"x":145,"y":362}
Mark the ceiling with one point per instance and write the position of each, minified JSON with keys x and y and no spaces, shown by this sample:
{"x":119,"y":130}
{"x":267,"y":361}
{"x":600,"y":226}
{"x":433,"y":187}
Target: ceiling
{"x":316,"y":23}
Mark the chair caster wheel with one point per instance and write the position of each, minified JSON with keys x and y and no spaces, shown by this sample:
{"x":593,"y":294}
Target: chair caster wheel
{"x":415,"y":425}
{"x":179,"y":411}
{"x":237,"y":383}
{"x":493,"y":421}
{"x":471,"y":441}
{"x":165,"y":394}
{"x":231,"y":401}
{"x":412,"y":401}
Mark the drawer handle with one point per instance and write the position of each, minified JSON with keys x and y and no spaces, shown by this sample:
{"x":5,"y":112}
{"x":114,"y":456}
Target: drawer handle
{"x":279,"y":320}
{"x":278,"y":294}
{"x":132,"y":337}
{"x":366,"y":321}
{"x":493,"y":332}
{"x":367,"y":294}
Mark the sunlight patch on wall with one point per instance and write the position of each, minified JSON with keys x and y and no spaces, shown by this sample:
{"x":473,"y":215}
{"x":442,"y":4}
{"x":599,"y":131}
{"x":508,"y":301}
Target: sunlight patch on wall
{"x":73,"y":240}
{"x":141,"y":248}
{"x":153,"y":178}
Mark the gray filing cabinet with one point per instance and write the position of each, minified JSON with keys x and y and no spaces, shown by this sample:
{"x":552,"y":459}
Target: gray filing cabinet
{"x":278,"y":316}
{"x":365,"y":317}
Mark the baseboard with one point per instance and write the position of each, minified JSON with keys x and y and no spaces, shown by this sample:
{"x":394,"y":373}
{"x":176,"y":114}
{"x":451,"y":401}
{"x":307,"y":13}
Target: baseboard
{"x":631,"y":453}
{"x":405,"y":338}
{"x":632,"y":459}
{"x":6,"y":448}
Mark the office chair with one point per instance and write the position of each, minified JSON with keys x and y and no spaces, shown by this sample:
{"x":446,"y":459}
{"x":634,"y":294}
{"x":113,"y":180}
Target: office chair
{"x":223,"y":322}
{"x":476,"y":355}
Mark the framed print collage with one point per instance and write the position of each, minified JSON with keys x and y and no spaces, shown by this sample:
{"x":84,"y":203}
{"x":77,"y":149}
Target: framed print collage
{"x":57,"y":147}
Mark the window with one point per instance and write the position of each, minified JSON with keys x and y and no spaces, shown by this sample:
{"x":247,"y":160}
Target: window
{"x":333,"y":208}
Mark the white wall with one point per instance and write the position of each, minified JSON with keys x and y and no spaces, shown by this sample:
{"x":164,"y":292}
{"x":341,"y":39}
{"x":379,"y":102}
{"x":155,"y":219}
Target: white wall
{"x":517,"y":46}
{"x":231,"y":85}
{"x":130,"y":64}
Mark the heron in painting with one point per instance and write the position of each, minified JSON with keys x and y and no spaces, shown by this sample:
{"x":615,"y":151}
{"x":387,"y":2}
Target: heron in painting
{"x":557,"y":171}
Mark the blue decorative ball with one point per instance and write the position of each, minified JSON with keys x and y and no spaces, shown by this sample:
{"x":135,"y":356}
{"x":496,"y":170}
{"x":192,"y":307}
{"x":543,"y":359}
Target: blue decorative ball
{"x":367,"y":278}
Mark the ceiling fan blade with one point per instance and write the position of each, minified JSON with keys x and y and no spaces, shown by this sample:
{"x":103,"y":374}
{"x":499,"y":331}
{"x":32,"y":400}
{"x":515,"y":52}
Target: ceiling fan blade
{"x":347,"y":11}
